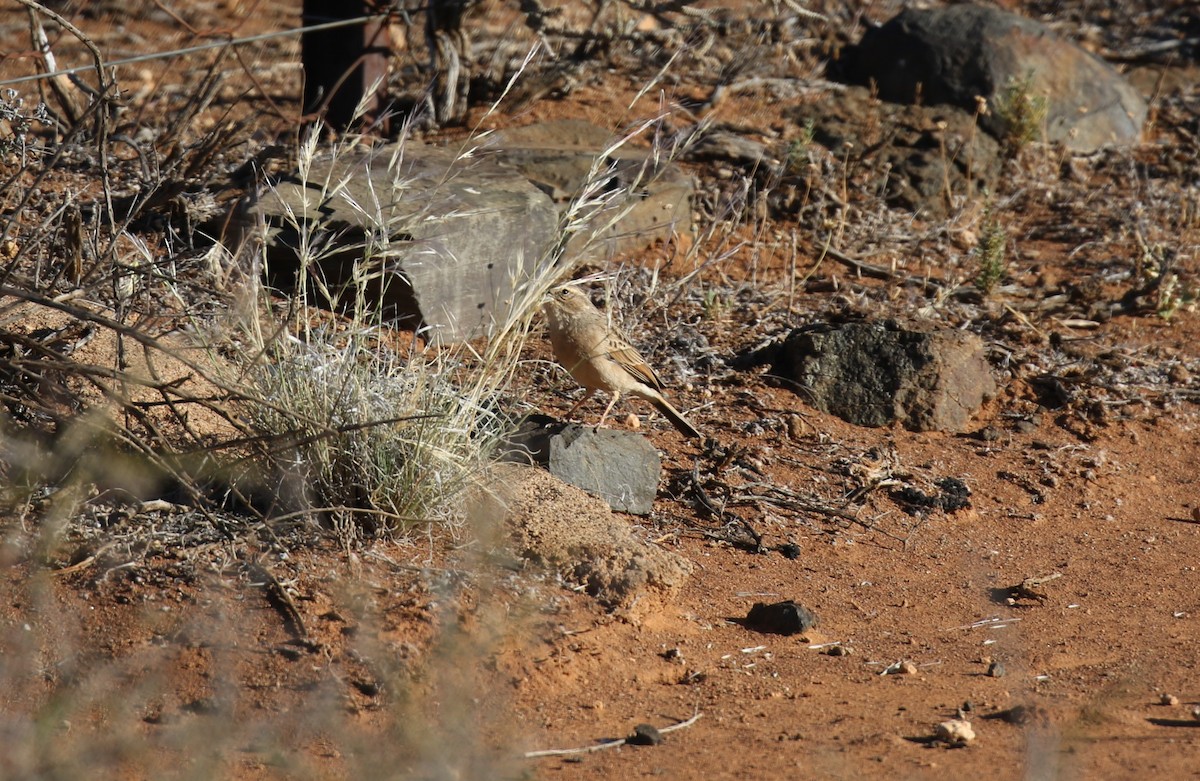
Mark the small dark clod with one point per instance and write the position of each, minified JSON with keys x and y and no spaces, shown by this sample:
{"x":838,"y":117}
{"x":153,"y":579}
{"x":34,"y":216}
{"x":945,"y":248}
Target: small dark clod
{"x":645,"y":735}
{"x":366,"y":687}
{"x":953,"y":495}
{"x":781,"y":618}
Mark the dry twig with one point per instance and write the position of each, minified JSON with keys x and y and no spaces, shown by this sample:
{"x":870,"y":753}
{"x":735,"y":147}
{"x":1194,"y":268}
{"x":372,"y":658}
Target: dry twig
{"x":562,"y":752}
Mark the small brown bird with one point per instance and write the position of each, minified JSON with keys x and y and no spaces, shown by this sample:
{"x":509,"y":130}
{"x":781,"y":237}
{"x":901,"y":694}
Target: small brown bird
{"x":600,"y":358}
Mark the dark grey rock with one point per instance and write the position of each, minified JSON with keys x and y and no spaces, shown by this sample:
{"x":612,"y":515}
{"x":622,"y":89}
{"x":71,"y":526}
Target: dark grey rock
{"x":789,"y":550}
{"x":444,"y":238}
{"x":620,"y":467}
{"x":529,"y":442}
{"x":952,"y":495}
{"x":780,"y":618}
{"x":645,"y":735}
{"x":951,"y":55}
{"x":871,"y":374}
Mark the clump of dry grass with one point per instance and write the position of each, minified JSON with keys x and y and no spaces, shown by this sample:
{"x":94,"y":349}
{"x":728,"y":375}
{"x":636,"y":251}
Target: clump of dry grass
{"x":371,"y":439}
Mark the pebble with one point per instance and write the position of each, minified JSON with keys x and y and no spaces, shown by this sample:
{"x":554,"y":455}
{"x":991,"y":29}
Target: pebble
{"x":1168,"y":699}
{"x":1023,"y":714}
{"x":789,"y":550}
{"x":645,"y":735}
{"x":955,"y":732}
{"x":904,"y":667}
{"x":1026,"y":426}
{"x":783,"y":618}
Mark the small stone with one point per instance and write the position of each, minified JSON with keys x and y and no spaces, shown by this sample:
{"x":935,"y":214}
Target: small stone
{"x":1196,"y":713}
{"x":1168,"y":699}
{"x":781,"y":618}
{"x":996,"y":670}
{"x":620,"y":467}
{"x":955,"y":732}
{"x":789,"y":550}
{"x":1022,"y":714}
{"x":1025,"y":426}
{"x":795,"y":426}
{"x":645,"y":735}
{"x":903,"y":667}
{"x":839,"y":650}
{"x":367,"y":687}
{"x":989,"y":434}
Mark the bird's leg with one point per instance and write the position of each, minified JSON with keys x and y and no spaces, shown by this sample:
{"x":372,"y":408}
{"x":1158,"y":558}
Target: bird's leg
{"x":615,"y":395}
{"x":579,"y":403}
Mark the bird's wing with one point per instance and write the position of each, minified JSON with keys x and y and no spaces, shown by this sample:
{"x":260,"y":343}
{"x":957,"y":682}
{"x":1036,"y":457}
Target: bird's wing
{"x":632,"y":361}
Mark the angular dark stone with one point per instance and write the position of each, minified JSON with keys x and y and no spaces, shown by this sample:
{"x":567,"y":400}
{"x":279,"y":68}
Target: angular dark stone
{"x":872,"y":374}
{"x":620,"y":467}
{"x":645,"y":735}
{"x":781,"y":618}
{"x":954,"y":495}
{"x":789,"y":550}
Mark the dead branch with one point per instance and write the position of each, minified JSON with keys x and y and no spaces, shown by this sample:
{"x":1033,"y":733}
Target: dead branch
{"x":562,"y":752}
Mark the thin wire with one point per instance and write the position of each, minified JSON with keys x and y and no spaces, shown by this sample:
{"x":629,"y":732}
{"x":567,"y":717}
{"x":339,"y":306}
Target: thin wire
{"x":200,"y":48}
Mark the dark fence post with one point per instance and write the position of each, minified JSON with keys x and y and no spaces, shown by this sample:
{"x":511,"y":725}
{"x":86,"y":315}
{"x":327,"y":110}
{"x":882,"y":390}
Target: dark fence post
{"x":341,"y":64}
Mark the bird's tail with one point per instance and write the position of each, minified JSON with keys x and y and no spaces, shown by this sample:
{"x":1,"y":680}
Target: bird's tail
{"x":677,"y":419}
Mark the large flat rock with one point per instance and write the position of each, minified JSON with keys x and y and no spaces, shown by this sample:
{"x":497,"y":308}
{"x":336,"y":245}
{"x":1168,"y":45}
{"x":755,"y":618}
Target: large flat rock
{"x":442,"y":239}
{"x":444,"y":236}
